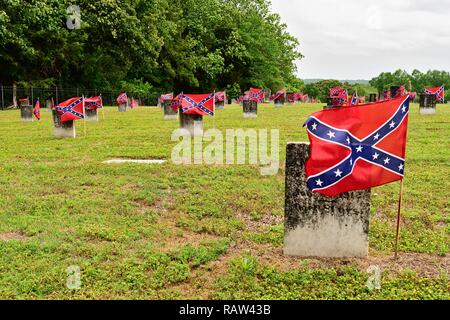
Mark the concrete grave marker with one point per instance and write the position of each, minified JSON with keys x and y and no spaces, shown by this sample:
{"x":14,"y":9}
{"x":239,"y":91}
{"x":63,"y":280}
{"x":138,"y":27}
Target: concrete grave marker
{"x":169,"y":112}
{"x":373,"y":97}
{"x":250,"y":108}
{"x":219,"y":105}
{"x":123,"y":107}
{"x":92,"y":115}
{"x":321,"y":226}
{"x":427,"y":104}
{"x":26,"y":111}
{"x":193,"y":123}
{"x":62,"y":130}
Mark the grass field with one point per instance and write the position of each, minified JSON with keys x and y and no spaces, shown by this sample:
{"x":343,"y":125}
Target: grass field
{"x":176,"y":231}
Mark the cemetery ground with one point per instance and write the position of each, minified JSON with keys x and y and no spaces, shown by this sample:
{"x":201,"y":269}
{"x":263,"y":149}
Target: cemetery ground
{"x":171,"y":231}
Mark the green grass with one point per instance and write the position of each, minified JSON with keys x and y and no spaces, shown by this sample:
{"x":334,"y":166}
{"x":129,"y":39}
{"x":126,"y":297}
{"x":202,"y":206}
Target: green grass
{"x":197,"y":231}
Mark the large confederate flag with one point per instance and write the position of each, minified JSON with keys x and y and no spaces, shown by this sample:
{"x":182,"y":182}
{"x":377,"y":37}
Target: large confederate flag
{"x":355,"y":148}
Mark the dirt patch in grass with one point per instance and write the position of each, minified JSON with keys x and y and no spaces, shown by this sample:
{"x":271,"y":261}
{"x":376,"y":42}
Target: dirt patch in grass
{"x":255,"y":224}
{"x":10,"y":236}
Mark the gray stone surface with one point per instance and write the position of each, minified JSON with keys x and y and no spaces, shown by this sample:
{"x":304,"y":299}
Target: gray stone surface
{"x":193,"y":123}
{"x":219,"y":105}
{"x":250,"y":108}
{"x":279,"y":103}
{"x":316,"y":225}
{"x":92,"y":115}
{"x":26,"y":113}
{"x":123,"y":107}
{"x":169,"y":112}
{"x":64,"y":130}
{"x":427,"y":104}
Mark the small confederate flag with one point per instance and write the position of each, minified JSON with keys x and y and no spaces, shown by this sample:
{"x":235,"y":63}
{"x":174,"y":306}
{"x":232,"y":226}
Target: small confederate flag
{"x":133,"y":103}
{"x":71,"y":109}
{"x":122,"y":98}
{"x":354,"y":100}
{"x":220,"y":96}
{"x":201,"y":104}
{"x":93,"y":103}
{"x":278,"y":95}
{"x":438,"y":91}
{"x":37,"y":110}
{"x":357,"y":148}
{"x":175,"y":103}
{"x":256,"y":94}
{"x":164,"y":97}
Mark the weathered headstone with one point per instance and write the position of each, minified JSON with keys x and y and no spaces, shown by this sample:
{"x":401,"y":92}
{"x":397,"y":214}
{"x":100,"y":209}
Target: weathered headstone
{"x":279,"y":102}
{"x":373,"y":97}
{"x":48,"y":105}
{"x":26,"y":111}
{"x":316,"y":225}
{"x":92,"y":115}
{"x":122,"y":107}
{"x":193,"y":123}
{"x":219,"y":105}
{"x":62,"y":130}
{"x":427,"y":104}
{"x":250,"y":108}
{"x":169,"y":112}
{"x":267,"y":94}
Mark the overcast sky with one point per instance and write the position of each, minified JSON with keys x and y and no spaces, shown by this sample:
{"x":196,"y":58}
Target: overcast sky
{"x":359,"y":39}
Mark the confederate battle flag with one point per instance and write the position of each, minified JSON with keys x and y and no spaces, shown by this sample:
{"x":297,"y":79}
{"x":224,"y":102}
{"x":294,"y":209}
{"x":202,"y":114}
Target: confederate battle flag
{"x":72,"y":109}
{"x":37,"y":110}
{"x":220,"y":96}
{"x":356,"y":148}
{"x":201,"y":104}
{"x":122,"y":98}
{"x":256,"y":94}
{"x":438,"y":91}
{"x":93,"y":103}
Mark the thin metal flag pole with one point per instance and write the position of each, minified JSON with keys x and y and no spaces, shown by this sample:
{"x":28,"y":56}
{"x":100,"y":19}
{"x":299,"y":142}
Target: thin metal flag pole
{"x":400,"y":199}
{"x":84,"y":118}
{"x":103,"y":111}
{"x":214,"y":108}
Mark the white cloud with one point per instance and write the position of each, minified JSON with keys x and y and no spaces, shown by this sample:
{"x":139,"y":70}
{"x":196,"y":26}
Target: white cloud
{"x":358,"y":39}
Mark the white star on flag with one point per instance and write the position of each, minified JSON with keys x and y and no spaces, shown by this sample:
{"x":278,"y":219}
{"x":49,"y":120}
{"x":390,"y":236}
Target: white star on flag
{"x":331,"y":134}
{"x":375,"y":156}
{"x":400,"y":167}
{"x":314,"y":126}
{"x":387,"y":160}
{"x":376,"y":137}
{"x":319,"y":182}
{"x":359,"y":149}
{"x":392,"y":124}
{"x":338,"y":173}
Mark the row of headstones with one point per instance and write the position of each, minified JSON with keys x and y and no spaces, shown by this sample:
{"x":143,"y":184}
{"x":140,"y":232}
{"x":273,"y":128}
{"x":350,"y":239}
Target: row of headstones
{"x":61,"y":130}
{"x":427,"y":102}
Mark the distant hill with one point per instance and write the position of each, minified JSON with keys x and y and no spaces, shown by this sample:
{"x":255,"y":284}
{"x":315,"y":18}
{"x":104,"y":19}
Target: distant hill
{"x":349,"y":81}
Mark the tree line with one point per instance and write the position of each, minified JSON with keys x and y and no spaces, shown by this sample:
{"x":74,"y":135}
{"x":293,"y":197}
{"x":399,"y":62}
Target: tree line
{"x":418,"y":80}
{"x":147,"y":45}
